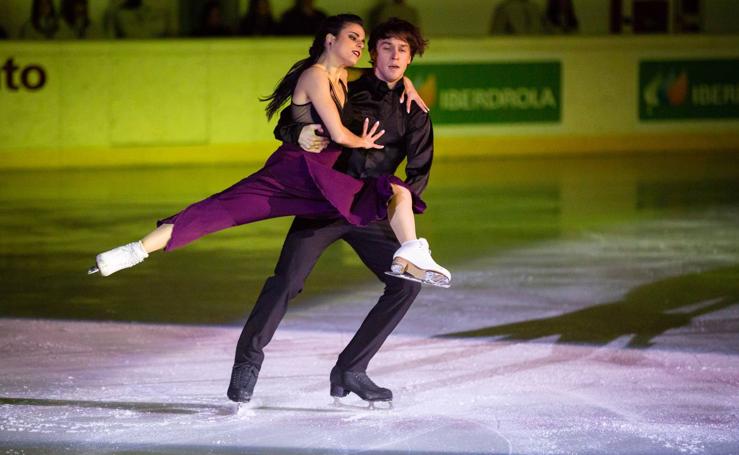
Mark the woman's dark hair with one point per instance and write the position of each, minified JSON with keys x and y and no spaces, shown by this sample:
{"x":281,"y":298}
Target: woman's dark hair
{"x":286,"y":86}
{"x":400,"y":29}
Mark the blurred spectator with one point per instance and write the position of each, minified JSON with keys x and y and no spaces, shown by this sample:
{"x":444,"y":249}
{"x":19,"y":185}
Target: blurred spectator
{"x":76,"y":20}
{"x":44,"y":23}
{"x":109,"y":17}
{"x":386,"y":9}
{"x":211,"y":22}
{"x":301,"y":19}
{"x":518,"y":17}
{"x":560,"y":17}
{"x":138,"y":19}
{"x":258,"y":19}
{"x":3,"y":33}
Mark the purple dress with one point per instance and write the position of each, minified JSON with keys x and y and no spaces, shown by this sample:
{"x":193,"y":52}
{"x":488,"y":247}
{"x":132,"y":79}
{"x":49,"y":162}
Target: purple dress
{"x":292,"y":182}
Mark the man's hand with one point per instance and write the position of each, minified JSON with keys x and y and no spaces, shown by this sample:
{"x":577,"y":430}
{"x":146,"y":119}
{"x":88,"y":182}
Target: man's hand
{"x":310,"y":141}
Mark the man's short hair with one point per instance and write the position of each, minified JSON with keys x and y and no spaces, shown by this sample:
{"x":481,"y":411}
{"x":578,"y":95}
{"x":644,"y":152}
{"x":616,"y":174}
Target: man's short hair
{"x":400,"y":29}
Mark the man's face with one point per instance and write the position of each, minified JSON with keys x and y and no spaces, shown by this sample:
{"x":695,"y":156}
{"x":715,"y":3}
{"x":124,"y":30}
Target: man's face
{"x":392,"y":56}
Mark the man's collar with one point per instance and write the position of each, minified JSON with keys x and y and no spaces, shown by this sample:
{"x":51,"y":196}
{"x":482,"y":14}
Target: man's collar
{"x":380,"y":86}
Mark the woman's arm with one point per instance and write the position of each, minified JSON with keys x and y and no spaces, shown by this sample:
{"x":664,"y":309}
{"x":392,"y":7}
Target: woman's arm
{"x":410,"y":94}
{"x":314,"y":85}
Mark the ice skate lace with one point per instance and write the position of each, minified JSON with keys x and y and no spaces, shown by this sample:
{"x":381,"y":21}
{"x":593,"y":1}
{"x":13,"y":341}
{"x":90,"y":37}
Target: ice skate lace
{"x":364,"y":380}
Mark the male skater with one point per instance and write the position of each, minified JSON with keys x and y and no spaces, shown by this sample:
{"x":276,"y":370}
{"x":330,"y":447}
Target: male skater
{"x":375,"y":95}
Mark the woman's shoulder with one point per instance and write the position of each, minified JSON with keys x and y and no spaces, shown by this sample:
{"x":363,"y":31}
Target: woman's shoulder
{"x":314,"y":72}
{"x":313,"y":76}
{"x":317,"y":75}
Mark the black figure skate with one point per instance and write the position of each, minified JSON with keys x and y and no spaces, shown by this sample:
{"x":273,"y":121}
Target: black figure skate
{"x":343,"y":382}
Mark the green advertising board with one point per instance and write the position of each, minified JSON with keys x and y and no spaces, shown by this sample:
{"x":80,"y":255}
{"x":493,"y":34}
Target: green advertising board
{"x":688,"y":89}
{"x":525,"y":92}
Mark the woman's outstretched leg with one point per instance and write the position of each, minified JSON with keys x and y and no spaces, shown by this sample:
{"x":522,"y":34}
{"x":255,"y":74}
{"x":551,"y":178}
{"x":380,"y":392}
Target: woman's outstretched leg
{"x":413,"y":258}
{"x":131,"y":254}
{"x":400,"y":214}
{"x":158,"y":238}
{"x":284,"y":189}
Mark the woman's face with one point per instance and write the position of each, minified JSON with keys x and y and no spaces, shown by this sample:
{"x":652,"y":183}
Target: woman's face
{"x":348,"y":45}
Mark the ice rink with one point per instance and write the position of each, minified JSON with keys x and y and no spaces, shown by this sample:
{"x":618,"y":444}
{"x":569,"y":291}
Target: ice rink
{"x":610,"y":325}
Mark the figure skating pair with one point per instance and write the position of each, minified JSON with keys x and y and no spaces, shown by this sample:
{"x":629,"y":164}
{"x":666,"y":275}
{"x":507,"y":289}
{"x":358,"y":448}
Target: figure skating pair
{"x":296,"y":183}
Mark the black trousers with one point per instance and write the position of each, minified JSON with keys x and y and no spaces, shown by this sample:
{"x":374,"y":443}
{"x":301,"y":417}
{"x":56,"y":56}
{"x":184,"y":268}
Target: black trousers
{"x":306,"y":240}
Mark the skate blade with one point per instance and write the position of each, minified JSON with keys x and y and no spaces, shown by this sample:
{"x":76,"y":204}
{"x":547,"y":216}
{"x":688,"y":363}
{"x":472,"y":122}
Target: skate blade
{"x":245,"y":408}
{"x":370,"y":405}
{"x":380,"y":405}
{"x":401,"y":266}
{"x":438,"y":280}
{"x":405,"y":276}
{"x":409,"y":277}
{"x":92,"y":270}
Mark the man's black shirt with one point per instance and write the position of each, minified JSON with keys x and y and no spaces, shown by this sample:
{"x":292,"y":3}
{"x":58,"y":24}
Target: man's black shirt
{"x":406,"y":135}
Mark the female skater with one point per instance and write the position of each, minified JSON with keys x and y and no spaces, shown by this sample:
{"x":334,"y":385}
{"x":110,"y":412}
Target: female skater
{"x":299,"y":183}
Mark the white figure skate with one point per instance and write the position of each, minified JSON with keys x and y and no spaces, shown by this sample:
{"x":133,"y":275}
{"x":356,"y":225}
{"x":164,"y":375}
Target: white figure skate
{"x":119,"y":258}
{"x":413,"y":262}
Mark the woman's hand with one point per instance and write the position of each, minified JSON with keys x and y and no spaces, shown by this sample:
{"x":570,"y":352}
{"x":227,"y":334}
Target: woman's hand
{"x":410,"y":96}
{"x":310,"y":141}
{"x":370,"y":137}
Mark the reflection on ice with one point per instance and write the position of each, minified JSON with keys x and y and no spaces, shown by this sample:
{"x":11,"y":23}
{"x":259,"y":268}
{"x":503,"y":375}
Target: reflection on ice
{"x":615,"y":338}
{"x":595,"y":310}
{"x":456,"y":396}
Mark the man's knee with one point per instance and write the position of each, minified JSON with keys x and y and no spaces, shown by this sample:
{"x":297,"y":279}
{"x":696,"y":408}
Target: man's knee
{"x":404,"y":289}
{"x":283,"y":284}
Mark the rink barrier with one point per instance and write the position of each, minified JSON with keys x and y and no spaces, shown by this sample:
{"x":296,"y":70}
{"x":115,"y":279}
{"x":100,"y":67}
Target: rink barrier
{"x":102,"y":103}
{"x":446,"y":148}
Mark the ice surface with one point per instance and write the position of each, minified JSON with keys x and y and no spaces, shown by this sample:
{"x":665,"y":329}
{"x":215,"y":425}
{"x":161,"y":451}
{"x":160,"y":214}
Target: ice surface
{"x":618,"y":341}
